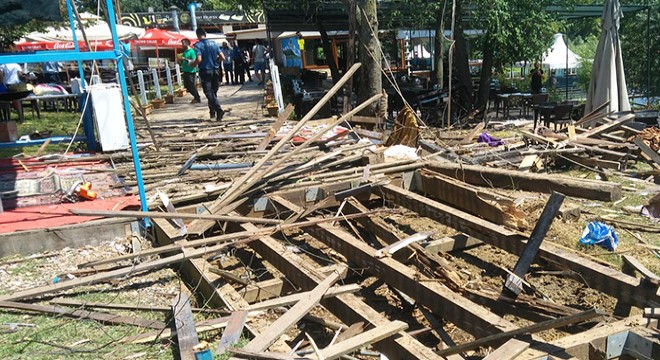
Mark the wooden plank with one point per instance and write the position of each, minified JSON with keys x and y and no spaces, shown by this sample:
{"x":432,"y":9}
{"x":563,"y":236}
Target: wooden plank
{"x":93,"y":279}
{"x":245,"y":354}
{"x":369,"y":337}
{"x":202,"y":326}
{"x":611,"y":125}
{"x":531,"y":329}
{"x":454,"y":308}
{"x":288,"y":110}
{"x":264,"y":340}
{"x":162,"y":215}
{"x":347,"y":307}
{"x":577,"y":345}
{"x":130,"y":307}
{"x":469,"y":138}
{"x":497,"y":208}
{"x":451,"y":243}
{"x":647,"y":150}
{"x":509,"y":351}
{"x":648,"y":275}
{"x":544,"y":183}
{"x":597,"y":276}
{"x":527,"y":162}
{"x":186,"y":334}
{"x":514,"y":281}
{"x":233,"y":331}
{"x":293,"y":298}
{"x":101,"y":317}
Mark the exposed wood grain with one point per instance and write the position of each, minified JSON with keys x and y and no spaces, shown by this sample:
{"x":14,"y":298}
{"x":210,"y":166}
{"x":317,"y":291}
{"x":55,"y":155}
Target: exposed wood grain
{"x":186,"y":334}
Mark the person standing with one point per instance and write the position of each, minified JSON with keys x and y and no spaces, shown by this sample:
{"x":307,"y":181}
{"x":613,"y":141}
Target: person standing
{"x":228,"y":65}
{"x":11,"y":74}
{"x":259,"y":58}
{"x":51,"y":71}
{"x":208,"y":53}
{"x":537,"y":79}
{"x":246,"y":62}
{"x":189,"y":72}
{"x":239,"y":63}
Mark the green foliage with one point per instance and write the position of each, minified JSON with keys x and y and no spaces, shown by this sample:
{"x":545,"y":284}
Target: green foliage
{"x":584,"y":47}
{"x":584,"y":74}
{"x":9,"y":34}
{"x":515,"y":29}
{"x":634,"y":40}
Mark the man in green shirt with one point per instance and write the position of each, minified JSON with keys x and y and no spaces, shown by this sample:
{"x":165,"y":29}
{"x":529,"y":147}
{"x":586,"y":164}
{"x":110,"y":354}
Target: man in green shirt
{"x":189,"y":71}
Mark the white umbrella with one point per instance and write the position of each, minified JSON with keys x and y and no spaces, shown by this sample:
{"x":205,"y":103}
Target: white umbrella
{"x":608,"y":81}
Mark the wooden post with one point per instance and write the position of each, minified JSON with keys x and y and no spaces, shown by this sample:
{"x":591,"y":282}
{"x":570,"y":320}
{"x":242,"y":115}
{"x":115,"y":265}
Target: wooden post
{"x":186,"y":334}
{"x":154,"y":75}
{"x":143,"y":92}
{"x":514,"y":281}
{"x":177,"y":69}
{"x":168,"y":73}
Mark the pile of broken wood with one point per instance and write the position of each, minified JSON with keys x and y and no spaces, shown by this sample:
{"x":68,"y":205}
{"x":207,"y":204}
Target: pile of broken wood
{"x":339,"y":196}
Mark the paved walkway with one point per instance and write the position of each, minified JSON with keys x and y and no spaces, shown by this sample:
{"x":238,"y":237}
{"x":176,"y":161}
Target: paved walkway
{"x":245,"y":102}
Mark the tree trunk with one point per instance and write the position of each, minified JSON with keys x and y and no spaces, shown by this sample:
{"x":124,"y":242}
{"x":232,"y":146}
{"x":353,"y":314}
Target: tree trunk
{"x":350,"y":51}
{"x":439,"y":50}
{"x":371,"y":82}
{"x":461,"y":65}
{"x":486,"y":71}
{"x":329,"y":53}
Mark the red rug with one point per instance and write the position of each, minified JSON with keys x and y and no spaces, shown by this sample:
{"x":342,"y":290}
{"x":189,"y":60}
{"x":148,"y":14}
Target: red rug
{"x":50,"y":216}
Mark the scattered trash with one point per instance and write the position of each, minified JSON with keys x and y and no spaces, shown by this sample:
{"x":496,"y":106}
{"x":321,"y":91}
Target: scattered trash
{"x":400,"y":152}
{"x":490,"y":140}
{"x":597,"y":233}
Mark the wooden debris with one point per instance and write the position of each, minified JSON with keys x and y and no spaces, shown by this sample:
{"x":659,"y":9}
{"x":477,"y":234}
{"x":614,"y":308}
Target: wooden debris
{"x":130,"y":307}
{"x":509,"y":351}
{"x":233,"y":330}
{"x":104,"y":318}
{"x":273,"y":332}
{"x":186,"y":334}
{"x":514,"y":281}
{"x":369,"y":337}
{"x":641,"y":269}
{"x":531,"y":329}
{"x":544,"y":183}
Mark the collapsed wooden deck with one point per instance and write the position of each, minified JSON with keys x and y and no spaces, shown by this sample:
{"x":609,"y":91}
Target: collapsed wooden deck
{"x":326,"y":224}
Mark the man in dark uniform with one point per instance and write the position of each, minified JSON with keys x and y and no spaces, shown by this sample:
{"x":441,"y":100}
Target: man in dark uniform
{"x":208,"y":53}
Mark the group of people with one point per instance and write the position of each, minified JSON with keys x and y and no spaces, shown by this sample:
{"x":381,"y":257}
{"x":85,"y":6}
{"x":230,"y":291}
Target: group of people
{"x":207,"y":59}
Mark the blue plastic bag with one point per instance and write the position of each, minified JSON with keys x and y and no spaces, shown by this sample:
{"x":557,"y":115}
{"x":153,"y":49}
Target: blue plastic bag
{"x":597,"y":233}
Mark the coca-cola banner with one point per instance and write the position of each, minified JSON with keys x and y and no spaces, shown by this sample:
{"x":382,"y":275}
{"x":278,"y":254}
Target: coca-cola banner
{"x":102,"y":45}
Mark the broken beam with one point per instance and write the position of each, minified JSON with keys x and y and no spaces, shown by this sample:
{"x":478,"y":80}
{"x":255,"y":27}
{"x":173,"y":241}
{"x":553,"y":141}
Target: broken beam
{"x":546,"y":325}
{"x":597,"y":276}
{"x":465,"y":314}
{"x":347,"y":307}
{"x":514,"y":281}
{"x":545,"y":183}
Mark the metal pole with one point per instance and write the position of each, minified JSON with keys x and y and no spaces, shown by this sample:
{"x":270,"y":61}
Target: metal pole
{"x":69,"y":9}
{"x":175,"y":18}
{"x":193,"y":16}
{"x":127,"y":108}
{"x":648,"y":53}
{"x":566,"y":70}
